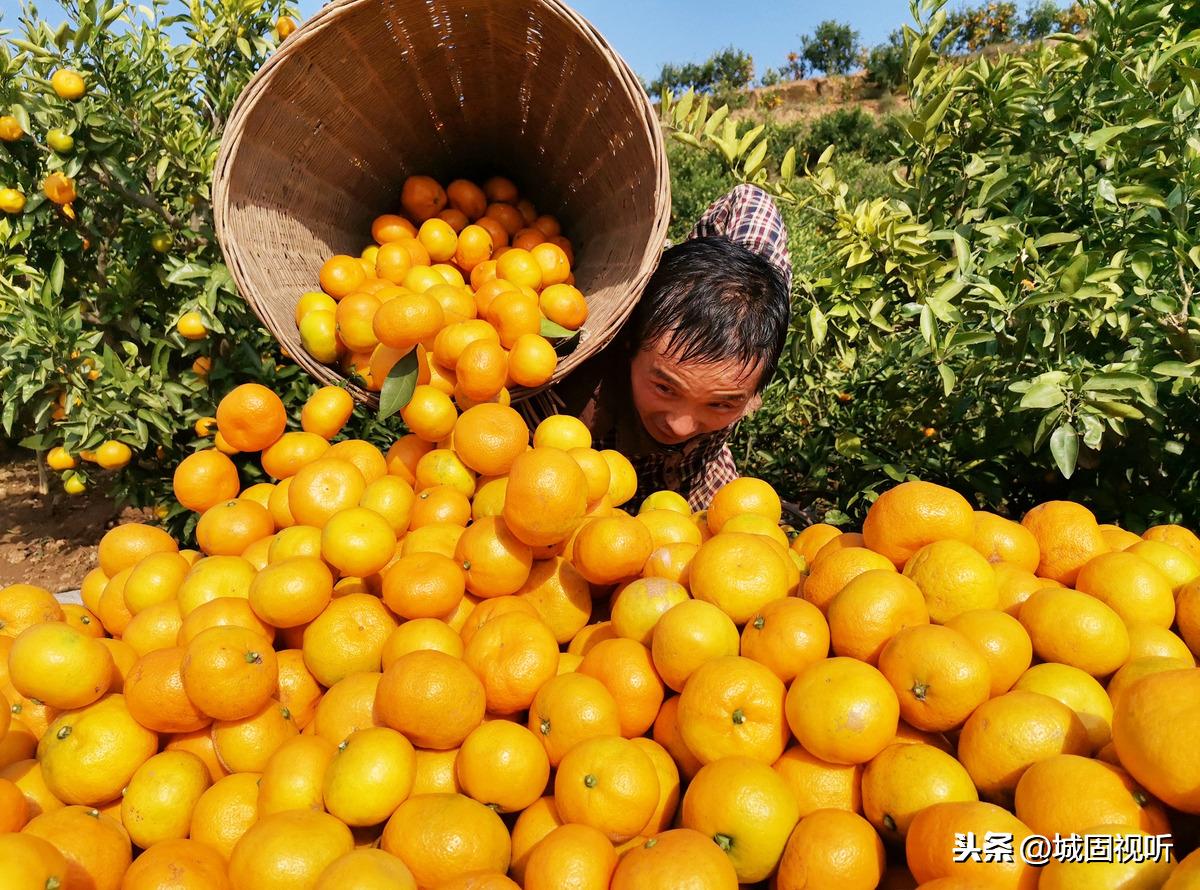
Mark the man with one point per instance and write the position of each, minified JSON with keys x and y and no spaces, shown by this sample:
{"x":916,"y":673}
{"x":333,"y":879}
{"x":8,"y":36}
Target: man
{"x":695,"y":356}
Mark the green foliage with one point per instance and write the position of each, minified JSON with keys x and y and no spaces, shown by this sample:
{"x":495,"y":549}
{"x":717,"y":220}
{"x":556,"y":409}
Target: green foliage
{"x":723,"y":73}
{"x":90,"y":293}
{"x":833,"y":48}
{"x":884,"y":64}
{"x":1020,"y":318}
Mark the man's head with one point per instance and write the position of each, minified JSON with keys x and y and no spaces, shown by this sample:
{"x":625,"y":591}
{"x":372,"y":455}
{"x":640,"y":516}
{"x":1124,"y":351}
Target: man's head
{"x":706,"y":338}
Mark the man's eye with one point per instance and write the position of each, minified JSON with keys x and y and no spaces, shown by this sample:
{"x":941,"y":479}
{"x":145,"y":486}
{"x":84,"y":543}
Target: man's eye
{"x":721,"y":406}
{"x":662,"y":389}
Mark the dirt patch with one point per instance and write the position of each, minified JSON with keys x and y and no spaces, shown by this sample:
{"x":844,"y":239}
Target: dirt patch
{"x":49,"y":541}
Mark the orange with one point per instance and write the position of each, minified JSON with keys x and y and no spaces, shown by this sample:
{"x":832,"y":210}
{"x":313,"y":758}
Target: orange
{"x":1075,"y":629}
{"x":569,"y":709}
{"x":1009,"y":733}
{"x":362,"y":454}
{"x":24,"y":605}
{"x":489,"y":438}
{"x":930,"y":845}
{"x":1134,"y":670}
{"x":514,"y":314}
{"x":832,"y":572}
{"x":494,"y":561}
{"x":483,"y":611}
{"x":533,"y":825}
{"x":297,"y":689}
{"x":341,"y":275}
{"x":229,"y":672}
{"x":87,"y":756}
{"x":564,"y":305}
{"x":1121,"y":869}
{"x":840,"y":542}
{"x":291,"y":592}
{"x":842,"y":711}
{"x":439,"y":238}
{"x":481,"y":370}
{"x":673,"y":562}
{"x":407,"y":320}
{"x":667,"y":733}
{"x":732,"y":706}
{"x":608,"y":783}
{"x":291,"y":452}
{"x":503,"y":765}
{"x":354,"y":317}
{"x":1151,"y":717}
{"x":545,"y":496}
{"x":326,"y":411}
{"x":60,"y":666}
{"x":687,"y":636}
{"x":155,"y":696}
{"x":744,"y":495}
{"x":443,"y":837}
{"x":441,"y":466}
{"x":123,"y":656}
{"x":467,"y":198}
{"x":669,"y":527}
{"x":627,"y":671}
{"x":423,"y":585}
{"x":513,"y":654}
{"x":433,"y":698}
{"x":507,"y":215}
{"x":911,"y":515}
{"x":1014,"y":586}
{"x":819,"y":785}
{"x":366,"y":869}
{"x":1151,"y":639}
{"x":440,"y":505}
{"x":1067,"y":535}
{"x":95,"y":845}
{"x":1066,"y":794}
{"x":390,"y":227}
{"x":178,"y":865}
{"x":528,"y":238}
{"x":90,"y":590}
{"x":611,"y":549}
{"x":559,"y":595}
{"x":245,"y":746}
{"x":348,"y":705}
{"x":474,"y":246}
{"x":155,"y":580}
{"x":904,"y":779}
{"x":358,"y":542}
{"x":953,"y":578}
{"x":1003,"y":641}
{"x":30,"y":782}
{"x":32,"y":862}
{"x":403,"y":455}
{"x":221,"y":612}
{"x":832,"y":848}
{"x":83,"y":619}
{"x":453,"y":339}
{"x":422,"y":197}
{"x":499,"y":188}
{"x":347,"y":637}
{"x":322,"y":488}
{"x":435,"y":772}
{"x":571,"y":857}
{"x":811,"y":539}
{"x":395,"y":259}
{"x":938,"y":674}
{"x":562,"y":431}
{"x":638,"y":605}
{"x":370,"y":775}
{"x":158,"y":802}
{"x":668,"y":785}
{"x":1117,"y":538}
{"x":1178,"y":565}
{"x":437,"y":538}
{"x":393,"y":499}
{"x":871,"y":609}
{"x":682,"y":857}
{"x":251,"y":417}
{"x":1001,"y":540}
{"x":204,"y":479}
{"x":747,"y":809}
{"x":1131,"y":586}
{"x":546,"y":224}
{"x":228,"y":528}
{"x":786,"y":635}
{"x":1176,"y":536}
{"x":553,"y":262}
{"x":739,"y":573}
{"x":287,"y":849}
{"x":121,"y":547}
{"x":1077,"y":690}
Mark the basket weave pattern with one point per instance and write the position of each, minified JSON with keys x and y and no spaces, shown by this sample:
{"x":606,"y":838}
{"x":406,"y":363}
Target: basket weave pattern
{"x":369,"y":92}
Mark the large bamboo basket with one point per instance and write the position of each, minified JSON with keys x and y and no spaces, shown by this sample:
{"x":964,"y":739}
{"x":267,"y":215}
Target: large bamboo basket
{"x":369,"y":92}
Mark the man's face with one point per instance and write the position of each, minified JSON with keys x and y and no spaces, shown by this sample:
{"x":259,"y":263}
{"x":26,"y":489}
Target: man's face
{"x":677,"y":401}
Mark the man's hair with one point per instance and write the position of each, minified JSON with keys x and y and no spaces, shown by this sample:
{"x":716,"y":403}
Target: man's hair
{"x":712,"y":300}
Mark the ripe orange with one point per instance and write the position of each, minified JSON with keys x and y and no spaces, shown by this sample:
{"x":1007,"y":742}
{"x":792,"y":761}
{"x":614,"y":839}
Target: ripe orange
{"x":953,"y":578}
{"x":1177,"y":564}
{"x":251,"y":417}
{"x":559,"y":595}
{"x":32,"y":861}
{"x":422,"y":197}
{"x":204,"y":479}
{"x":423,"y":585}
{"x":832,"y":848}
{"x":155,"y":695}
{"x":911,"y":515}
{"x":1073,"y":628}
{"x":229,"y":672}
{"x":494,"y":561}
{"x":673,"y":562}
{"x":366,"y":869}
{"x":1001,"y":540}
{"x":347,"y":637}
{"x":391,"y":227}
{"x":929,"y":846}
{"x":323,"y":488}
{"x":732,"y":706}
{"x":59,"y":666}
{"x":1151,"y":717}
{"x":370,"y":775}
{"x":157,"y":804}
{"x":291,"y":452}
{"x":940,"y":677}
{"x":1008,"y":733}
{"x":1176,"y":536}
{"x":431,"y":697}
{"x":87,"y":756}
{"x":810,"y":540}
{"x":836,"y":569}
{"x":577,"y":857}
{"x":121,"y":547}
{"x":904,"y":779}
{"x":611,"y":549}
{"x":569,"y":709}
{"x":446,"y":837}
{"x":545,"y":496}
{"x":326,"y":411}
{"x":503,"y":765}
{"x":532,"y":360}
{"x":1066,"y":794}
{"x":429,"y":414}
{"x":737,"y":572}
{"x":341,"y":275}
{"x":820,"y":785}
{"x":229,"y":527}
{"x":627,"y":671}
{"x":564,"y":305}
{"x":871,"y":609}
{"x":284,"y":849}
{"x":1077,"y":690}
{"x":842,"y":711}
{"x":357,"y":542}
{"x":1003,"y":641}
{"x":638,"y":605}
{"x":681,"y":857}
{"x":744,"y":495}
{"x":1067,"y":535}
{"x":608,"y":783}
{"x":1131,"y":586}
{"x":513,"y":654}
{"x":513,"y":314}
{"x":786,"y":635}
{"x":292,"y":591}
{"x":553,"y":262}
{"x":687,"y":636}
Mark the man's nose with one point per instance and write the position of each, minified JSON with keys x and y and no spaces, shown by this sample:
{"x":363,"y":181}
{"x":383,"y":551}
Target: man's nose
{"x":682,"y":425}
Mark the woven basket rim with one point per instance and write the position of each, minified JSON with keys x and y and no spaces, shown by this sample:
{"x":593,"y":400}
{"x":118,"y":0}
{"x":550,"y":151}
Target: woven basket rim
{"x":591,"y":340}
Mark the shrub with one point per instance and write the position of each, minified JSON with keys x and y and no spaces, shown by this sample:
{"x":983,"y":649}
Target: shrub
{"x":1020,"y":319}
{"x":884,"y":64}
{"x":724,"y":72}
{"x":833,"y":48}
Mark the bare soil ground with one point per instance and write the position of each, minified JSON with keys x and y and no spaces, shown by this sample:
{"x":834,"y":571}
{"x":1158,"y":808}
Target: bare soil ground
{"x":49,"y":541}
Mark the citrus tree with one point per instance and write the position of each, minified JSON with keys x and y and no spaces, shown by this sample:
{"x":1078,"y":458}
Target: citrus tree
{"x":119,"y":324}
{"x":1020,"y":318}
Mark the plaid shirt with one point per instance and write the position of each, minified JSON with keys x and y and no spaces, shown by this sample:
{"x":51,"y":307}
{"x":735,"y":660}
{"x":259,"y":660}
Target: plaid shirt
{"x":696,"y":469}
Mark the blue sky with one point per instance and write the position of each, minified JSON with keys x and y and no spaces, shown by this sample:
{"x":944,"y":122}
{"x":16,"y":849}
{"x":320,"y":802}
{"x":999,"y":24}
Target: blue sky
{"x":649,"y":33}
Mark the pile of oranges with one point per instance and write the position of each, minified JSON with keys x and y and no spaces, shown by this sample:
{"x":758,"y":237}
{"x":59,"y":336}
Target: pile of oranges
{"x":459,"y":663}
{"x":467,"y":280}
